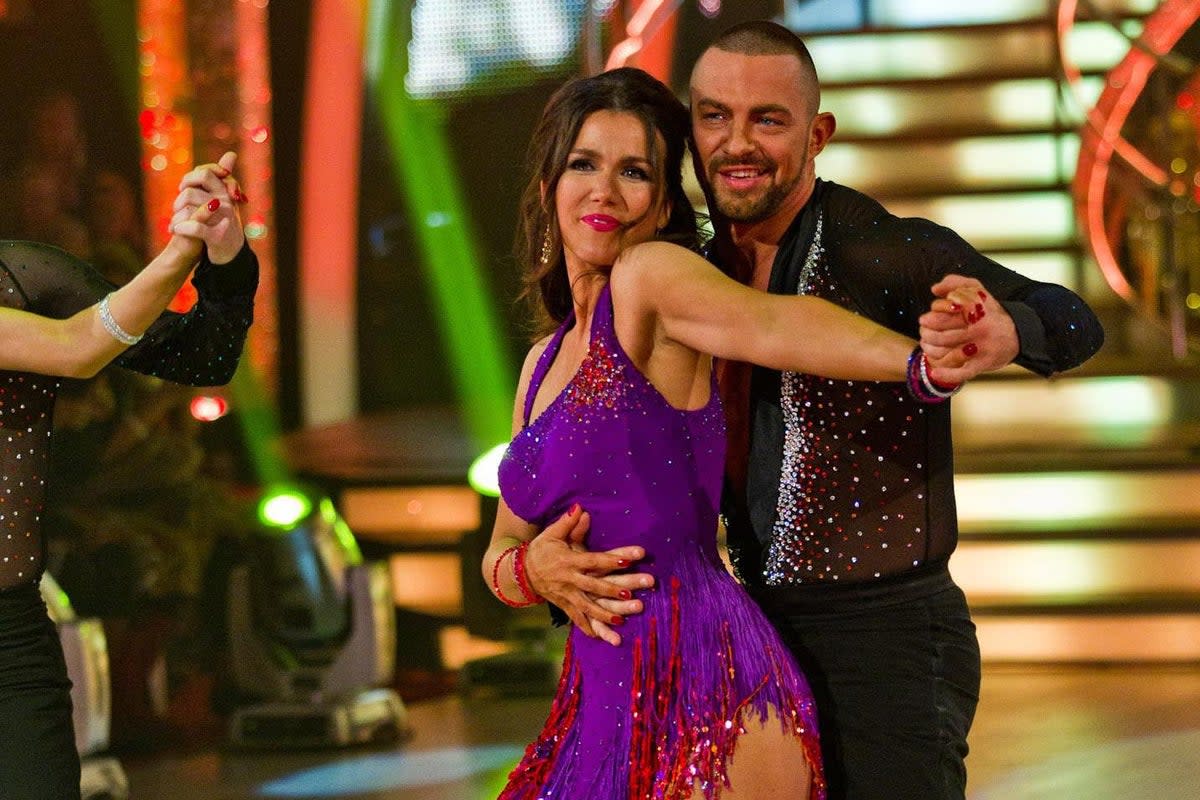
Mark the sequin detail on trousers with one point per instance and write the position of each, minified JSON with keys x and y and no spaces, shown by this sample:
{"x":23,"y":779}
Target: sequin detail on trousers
{"x":662,"y":713}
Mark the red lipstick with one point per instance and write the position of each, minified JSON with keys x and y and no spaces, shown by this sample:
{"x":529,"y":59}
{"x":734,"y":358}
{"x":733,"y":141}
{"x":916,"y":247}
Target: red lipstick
{"x":600,"y":222}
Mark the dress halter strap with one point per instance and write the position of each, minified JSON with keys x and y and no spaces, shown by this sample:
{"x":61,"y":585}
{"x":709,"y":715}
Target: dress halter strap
{"x":543,"y":366}
{"x":602,"y":329}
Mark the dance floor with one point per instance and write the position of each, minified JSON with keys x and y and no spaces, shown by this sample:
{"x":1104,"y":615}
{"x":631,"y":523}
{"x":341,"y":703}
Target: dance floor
{"x":1050,"y":733}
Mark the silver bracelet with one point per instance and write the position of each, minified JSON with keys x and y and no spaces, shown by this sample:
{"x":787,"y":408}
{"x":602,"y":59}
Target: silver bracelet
{"x":929,"y":385}
{"x":110,"y":324}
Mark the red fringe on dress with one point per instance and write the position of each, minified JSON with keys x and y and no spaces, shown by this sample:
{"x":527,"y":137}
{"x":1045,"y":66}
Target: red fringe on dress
{"x":680,"y":735}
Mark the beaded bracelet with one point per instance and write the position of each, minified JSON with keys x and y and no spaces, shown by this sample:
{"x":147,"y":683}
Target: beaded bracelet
{"x":920,"y":386}
{"x":530,"y":598}
{"x":111,"y":325}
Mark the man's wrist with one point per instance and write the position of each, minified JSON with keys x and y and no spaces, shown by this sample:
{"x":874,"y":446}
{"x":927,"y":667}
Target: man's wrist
{"x":220,"y":256}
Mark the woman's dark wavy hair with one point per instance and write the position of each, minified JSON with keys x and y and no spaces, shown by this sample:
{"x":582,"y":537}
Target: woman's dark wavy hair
{"x":626,"y":89}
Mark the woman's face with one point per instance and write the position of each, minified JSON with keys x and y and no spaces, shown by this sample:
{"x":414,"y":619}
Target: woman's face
{"x":609,"y":196}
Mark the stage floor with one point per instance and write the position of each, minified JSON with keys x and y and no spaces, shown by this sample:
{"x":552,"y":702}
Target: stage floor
{"x":1087,"y":733}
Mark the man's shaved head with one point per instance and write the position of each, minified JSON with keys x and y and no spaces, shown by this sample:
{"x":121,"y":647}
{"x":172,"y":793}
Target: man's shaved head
{"x":764,"y":38}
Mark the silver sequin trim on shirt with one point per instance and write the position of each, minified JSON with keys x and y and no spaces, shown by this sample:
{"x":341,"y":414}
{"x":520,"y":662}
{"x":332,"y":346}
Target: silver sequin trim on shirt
{"x":780,"y":567}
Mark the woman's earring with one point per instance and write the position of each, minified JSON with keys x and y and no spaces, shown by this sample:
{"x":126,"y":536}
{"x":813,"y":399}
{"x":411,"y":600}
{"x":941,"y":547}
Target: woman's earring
{"x":547,"y":248}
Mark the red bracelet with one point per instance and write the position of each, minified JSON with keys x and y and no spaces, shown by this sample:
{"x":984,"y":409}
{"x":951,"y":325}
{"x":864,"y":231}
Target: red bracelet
{"x":496,"y":590}
{"x":921,"y":387}
{"x":531,"y":597}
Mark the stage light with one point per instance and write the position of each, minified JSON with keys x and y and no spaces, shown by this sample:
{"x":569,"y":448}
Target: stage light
{"x":312,"y":632}
{"x":283,"y":508}
{"x":483,"y":474}
{"x":208,"y":408}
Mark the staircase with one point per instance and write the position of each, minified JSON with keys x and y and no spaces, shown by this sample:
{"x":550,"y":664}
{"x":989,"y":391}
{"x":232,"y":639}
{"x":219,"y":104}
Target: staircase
{"x":1079,"y":497}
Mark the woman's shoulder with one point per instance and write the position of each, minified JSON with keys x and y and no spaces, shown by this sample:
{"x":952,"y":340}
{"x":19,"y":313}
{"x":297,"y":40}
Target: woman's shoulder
{"x":644,"y":271}
{"x":657,"y":249}
{"x":656,"y":258}
{"x":535,"y":353}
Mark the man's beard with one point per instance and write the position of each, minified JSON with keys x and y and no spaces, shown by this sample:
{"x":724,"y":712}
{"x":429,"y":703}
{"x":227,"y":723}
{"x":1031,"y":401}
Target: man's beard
{"x":749,"y":208}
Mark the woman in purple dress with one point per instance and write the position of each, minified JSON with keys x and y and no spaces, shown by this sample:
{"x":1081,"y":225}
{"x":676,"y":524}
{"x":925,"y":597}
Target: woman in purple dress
{"x":618,"y":422}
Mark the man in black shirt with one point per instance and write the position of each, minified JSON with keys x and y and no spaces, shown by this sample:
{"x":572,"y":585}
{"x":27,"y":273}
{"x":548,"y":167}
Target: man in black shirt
{"x":840,"y":501}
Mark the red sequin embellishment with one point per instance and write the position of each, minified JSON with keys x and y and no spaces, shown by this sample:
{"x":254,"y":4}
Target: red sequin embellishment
{"x":600,"y":380}
{"x":527,"y":779}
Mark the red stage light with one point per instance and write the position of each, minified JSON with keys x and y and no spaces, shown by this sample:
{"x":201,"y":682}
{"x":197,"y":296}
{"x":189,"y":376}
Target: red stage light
{"x":209,"y":408}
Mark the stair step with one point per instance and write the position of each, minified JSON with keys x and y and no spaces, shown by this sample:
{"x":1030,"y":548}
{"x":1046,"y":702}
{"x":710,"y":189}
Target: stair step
{"x":1017,"y":163}
{"x":823,"y":18}
{"x":1059,"y":265}
{"x":971,"y":81}
{"x":908,"y":132}
{"x":1179,"y":529}
{"x":940,"y":111}
{"x":1064,"y":452}
{"x":1124,"y":413}
{"x":413,"y":518}
{"x":1105,"y":500}
{"x":1072,"y":638}
{"x":1116,"y":605}
{"x":1098,"y":570}
{"x":1007,"y":51}
{"x":998,"y":221}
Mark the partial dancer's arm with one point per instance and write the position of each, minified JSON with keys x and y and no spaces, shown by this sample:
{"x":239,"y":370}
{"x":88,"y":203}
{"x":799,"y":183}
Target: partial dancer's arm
{"x":203,"y":346}
{"x":555,"y":564}
{"x":46,"y":335}
{"x":1043,"y":327}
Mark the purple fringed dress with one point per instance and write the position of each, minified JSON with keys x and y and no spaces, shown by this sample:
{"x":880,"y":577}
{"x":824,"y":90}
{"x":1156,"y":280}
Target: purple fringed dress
{"x":661,"y":713}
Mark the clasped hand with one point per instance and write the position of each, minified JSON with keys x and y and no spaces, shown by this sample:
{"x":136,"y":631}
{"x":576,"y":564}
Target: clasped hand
{"x":205,"y":212}
{"x":966,"y":332}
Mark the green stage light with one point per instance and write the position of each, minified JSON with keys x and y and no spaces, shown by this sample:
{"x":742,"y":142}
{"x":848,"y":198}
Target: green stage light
{"x":483,"y":474}
{"x":341,"y":530}
{"x":283,"y":508}
{"x":480,"y":362}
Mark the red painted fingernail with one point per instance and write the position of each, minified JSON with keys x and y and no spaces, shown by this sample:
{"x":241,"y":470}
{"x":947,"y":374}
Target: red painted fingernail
{"x":622,"y":562}
{"x":971,"y":317}
{"x":618,"y":621}
{"x":626,"y":594}
{"x":955,"y":307}
{"x":240,"y":196}
{"x":983,"y":295}
{"x":970,"y":349}
{"x":979,"y":309}
{"x":574,"y":510}
{"x":214,"y":204}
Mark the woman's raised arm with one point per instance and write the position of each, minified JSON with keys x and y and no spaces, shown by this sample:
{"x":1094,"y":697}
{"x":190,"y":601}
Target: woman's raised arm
{"x":698,"y":306}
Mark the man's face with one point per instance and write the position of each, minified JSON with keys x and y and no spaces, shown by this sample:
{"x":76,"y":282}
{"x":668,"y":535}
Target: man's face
{"x":755,"y":132}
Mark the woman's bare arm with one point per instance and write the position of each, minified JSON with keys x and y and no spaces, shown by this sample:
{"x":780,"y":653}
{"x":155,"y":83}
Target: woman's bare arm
{"x":698,"y":306}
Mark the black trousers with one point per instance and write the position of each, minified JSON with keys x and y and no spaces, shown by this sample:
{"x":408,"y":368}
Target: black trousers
{"x":894,"y":668}
{"x":38,"y":759}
